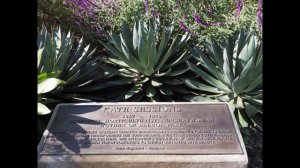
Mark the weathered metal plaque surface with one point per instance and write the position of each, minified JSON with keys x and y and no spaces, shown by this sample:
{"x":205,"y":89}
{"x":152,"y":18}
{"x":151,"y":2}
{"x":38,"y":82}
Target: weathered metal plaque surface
{"x":141,"y":128}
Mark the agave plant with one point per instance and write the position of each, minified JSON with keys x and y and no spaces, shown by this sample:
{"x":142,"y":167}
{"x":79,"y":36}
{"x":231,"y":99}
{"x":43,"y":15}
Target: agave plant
{"x":151,"y":57}
{"x":231,"y":72}
{"x":63,"y":70}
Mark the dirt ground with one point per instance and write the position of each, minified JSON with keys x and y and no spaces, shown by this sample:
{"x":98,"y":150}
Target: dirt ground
{"x":254,"y":149}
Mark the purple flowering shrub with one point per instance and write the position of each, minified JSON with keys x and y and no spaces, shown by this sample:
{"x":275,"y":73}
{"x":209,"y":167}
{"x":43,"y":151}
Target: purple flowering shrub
{"x":96,"y":19}
{"x":93,"y":18}
{"x":259,"y":15}
{"x":53,"y":13}
{"x":207,"y":18}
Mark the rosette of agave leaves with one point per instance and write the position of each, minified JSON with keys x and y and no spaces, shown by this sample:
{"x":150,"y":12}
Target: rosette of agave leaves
{"x":231,"y":72}
{"x":64,"y":70}
{"x":150,"y":58}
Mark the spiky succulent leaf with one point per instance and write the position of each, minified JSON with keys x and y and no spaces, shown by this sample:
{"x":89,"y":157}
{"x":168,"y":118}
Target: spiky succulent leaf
{"x":155,"y":83}
{"x":209,"y":64}
{"x":173,"y":81}
{"x":39,"y":55}
{"x":242,"y":118}
{"x":199,"y":86}
{"x":153,"y":51}
{"x":160,"y":74}
{"x":208,"y":78}
{"x":42,"y":109}
{"x":200,"y":99}
{"x":233,"y":72}
{"x":151,"y":91}
{"x":63,"y":65}
{"x":48,"y":85}
{"x":165,"y":90}
{"x":44,"y":76}
{"x":134,"y":90}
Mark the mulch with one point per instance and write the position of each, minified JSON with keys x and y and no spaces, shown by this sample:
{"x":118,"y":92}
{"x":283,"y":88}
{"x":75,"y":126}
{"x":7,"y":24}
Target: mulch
{"x":254,"y":149}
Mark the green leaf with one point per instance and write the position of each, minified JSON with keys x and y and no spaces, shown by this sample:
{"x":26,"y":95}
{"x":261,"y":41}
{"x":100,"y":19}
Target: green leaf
{"x":125,"y":49}
{"x":73,"y":77}
{"x":149,"y":71}
{"x":246,"y":53}
{"x":215,"y":52}
{"x":172,"y":81}
{"x":152,"y":56}
{"x":226,"y":67}
{"x":116,"y":40}
{"x":199,"y":99}
{"x":151,"y":34}
{"x":255,"y":93}
{"x":259,"y":66}
{"x":158,"y":74}
{"x":142,"y":81}
{"x":211,"y":67}
{"x":242,"y":119}
{"x":225,"y":98}
{"x":151,"y":91}
{"x":178,"y":72}
{"x":182,"y":43}
{"x":199,"y":86}
{"x":229,"y":49}
{"x":117,"y":62}
{"x":50,"y":101}
{"x":78,"y":50}
{"x":48,"y":59}
{"x":135,"y":39}
{"x":134,"y":90}
{"x":63,"y":55}
{"x":48,"y":85}
{"x":179,"y":89}
{"x":89,"y":88}
{"x":165,"y":91}
{"x":250,"y":110}
{"x":258,"y":96}
{"x":110,"y":70}
{"x":240,"y":44}
{"x":119,"y":82}
{"x":133,"y":62}
{"x":115,"y":53}
{"x":242,"y":81}
{"x":237,"y":49}
{"x":162,"y":45}
{"x":43,"y":76}
{"x":239,"y":103}
{"x":155,"y":83}
{"x":183,"y":57}
{"x":167,"y":55}
{"x":130,"y":73}
{"x":39,"y":56}
{"x":208,"y":78}
{"x":254,"y":84}
{"x":256,"y":103}
{"x":42,"y":109}
{"x":127,"y":34}
{"x":142,"y":49}
{"x":258,"y":120}
{"x":80,"y":63}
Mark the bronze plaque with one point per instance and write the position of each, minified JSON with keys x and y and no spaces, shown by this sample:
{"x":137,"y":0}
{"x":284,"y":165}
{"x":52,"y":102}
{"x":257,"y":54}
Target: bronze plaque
{"x":141,"y":128}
